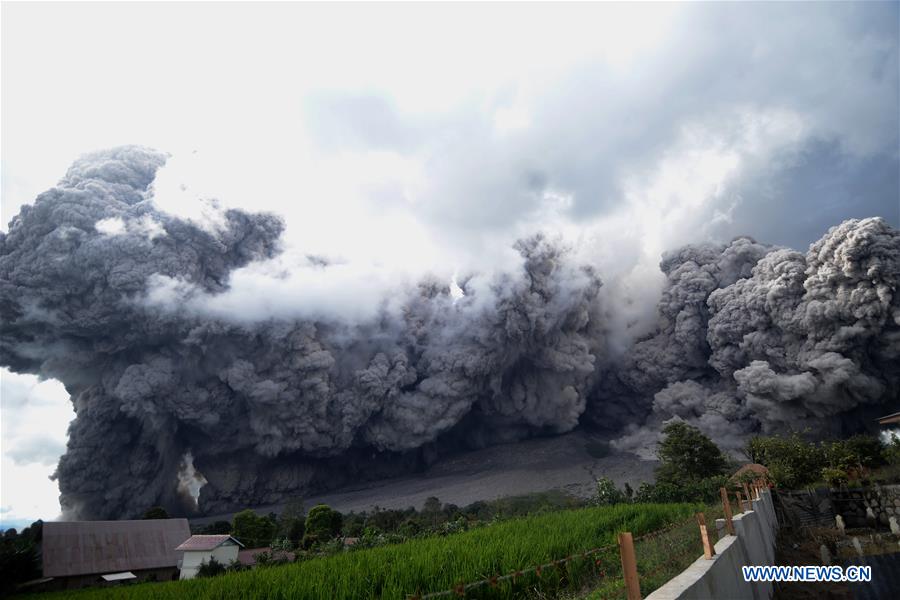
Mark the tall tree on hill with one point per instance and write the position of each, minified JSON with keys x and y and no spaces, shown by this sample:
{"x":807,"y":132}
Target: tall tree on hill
{"x":688,"y":455}
{"x":253,"y":530}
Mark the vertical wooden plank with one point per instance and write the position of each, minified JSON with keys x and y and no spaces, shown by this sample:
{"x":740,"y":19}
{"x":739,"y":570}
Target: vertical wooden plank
{"x":708,"y":549}
{"x":749,"y":497}
{"x":726,"y":506}
{"x":629,"y":566}
{"x":739,"y":501}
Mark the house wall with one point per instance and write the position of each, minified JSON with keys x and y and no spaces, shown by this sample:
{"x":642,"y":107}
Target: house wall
{"x":76,"y":582}
{"x":192,"y":560}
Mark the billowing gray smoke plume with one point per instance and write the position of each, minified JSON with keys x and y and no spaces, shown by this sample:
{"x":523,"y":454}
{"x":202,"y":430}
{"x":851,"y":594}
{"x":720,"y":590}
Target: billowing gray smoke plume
{"x":277,"y":407}
{"x":103,"y":291}
{"x":760,"y":339}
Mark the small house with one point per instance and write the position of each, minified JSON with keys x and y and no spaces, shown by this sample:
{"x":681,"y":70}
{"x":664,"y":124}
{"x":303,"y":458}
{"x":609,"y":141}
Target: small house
{"x":890,"y":420}
{"x":200,"y":549}
{"x":80,"y":554}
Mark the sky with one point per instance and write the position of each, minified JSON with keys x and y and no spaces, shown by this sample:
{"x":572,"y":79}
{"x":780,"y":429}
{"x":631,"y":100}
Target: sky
{"x":400,"y":139}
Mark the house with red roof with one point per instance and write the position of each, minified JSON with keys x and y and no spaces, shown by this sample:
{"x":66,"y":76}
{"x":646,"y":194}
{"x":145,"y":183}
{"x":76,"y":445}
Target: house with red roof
{"x":200,"y":549}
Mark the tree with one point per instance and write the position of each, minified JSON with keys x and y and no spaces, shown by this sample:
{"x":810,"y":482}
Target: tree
{"x":432,"y":505}
{"x":156,"y":512}
{"x":608,"y":493}
{"x":792,"y":461}
{"x":217,"y":528}
{"x":19,"y":561}
{"x":892,"y":449}
{"x":322,"y":523}
{"x":253,"y":530}
{"x":688,"y":455}
{"x":292,"y":521}
{"x":868,"y":450}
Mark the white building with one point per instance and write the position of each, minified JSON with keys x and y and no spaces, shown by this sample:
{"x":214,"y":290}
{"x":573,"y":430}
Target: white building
{"x":199,"y":549}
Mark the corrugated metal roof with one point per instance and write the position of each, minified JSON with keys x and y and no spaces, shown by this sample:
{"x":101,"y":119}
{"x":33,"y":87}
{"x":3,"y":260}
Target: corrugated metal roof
{"x":86,"y":547}
{"x":755,"y":467}
{"x":206,"y":542}
{"x":248,"y":557}
{"x":889,"y":419}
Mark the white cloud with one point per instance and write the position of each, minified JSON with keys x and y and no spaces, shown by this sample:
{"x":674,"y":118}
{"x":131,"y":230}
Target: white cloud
{"x":34,"y":417}
{"x":112,"y":226}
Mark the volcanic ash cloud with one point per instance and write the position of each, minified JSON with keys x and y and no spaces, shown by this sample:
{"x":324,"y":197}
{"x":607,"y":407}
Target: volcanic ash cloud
{"x":800,"y":341}
{"x":123,"y":303}
{"x":105,"y":292}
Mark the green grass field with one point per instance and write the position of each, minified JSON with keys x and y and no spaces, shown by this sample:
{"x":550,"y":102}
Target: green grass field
{"x":433,"y":564}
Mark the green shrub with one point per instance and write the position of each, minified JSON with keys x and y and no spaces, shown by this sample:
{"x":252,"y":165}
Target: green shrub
{"x":271,"y":559}
{"x":409,"y":528}
{"x":236,"y":565}
{"x":212,"y":568}
{"x":835,"y":477}
{"x":792,"y":461}
{"x":156,"y":512}
{"x":868,"y":450}
{"x":892,"y":449}
{"x":282,"y":545}
{"x":700,"y":490}
{"x":217,"y":528}
{"x":19,"y":562}
{"x":608,"y":493}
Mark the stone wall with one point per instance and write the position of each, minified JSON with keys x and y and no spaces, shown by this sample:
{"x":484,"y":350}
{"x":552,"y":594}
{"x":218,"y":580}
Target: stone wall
{"x":851,"y":504}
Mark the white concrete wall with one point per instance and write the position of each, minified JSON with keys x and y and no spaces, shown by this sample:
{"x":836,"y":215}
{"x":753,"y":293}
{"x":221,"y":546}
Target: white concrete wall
{"x":192,"y":560}
{"x":721,"y":577}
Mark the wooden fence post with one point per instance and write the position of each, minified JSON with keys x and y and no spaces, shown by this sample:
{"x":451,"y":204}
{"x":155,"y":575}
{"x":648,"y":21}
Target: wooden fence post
{"x":726,"y":505}
{"x":629,"y":566}
{"x":739,"y":501}
{"x":708,"y":549}
{"x":749,"y":497}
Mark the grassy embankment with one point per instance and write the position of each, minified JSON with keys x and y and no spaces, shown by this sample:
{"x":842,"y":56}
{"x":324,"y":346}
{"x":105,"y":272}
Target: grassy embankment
{"x":439,"y":563}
